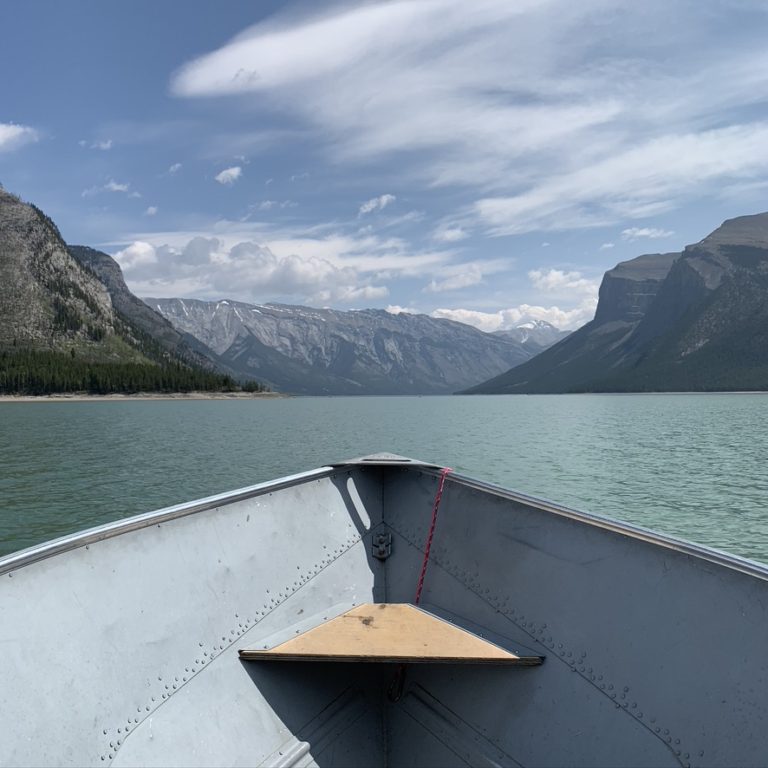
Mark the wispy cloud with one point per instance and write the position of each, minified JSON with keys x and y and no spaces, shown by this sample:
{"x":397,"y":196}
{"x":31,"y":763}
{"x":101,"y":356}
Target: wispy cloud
{"x":559,"y":115}
{"x":111,"y":186}
{"x":376,"y":204}
{"x":229,"y":175}
{"x":13,"y":136}
{"x":102,"y":145}
{"x":607,"y":246}
{"x":449,"y":234}
{"x":268,"y":205}
{"x":175,"y":168}
{"x":151,"y":210}
{"x":468,"y":275}
{"x":647,"y":233}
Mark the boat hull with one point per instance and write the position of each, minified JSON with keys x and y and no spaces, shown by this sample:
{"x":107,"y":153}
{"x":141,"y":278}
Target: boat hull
{"x":120,"y":645}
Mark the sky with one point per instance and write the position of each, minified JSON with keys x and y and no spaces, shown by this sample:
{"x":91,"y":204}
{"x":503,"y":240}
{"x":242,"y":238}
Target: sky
{"x":485,"y":162}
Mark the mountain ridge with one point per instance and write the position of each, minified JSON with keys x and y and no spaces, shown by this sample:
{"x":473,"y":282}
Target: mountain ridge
{"x":305,"y":350}
{"x":699,"y":322}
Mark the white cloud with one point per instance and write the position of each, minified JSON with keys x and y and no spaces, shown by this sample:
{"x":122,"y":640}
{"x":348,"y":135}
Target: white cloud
{"x":559,"y":281}
{"x":102,"y":145}
{"x":299,"y":177}
{"x":545,"y":245}
{"x":268,"y":182}
{"x":114,"y":186}
{"x":151,"y":210}
{"x":137,"y":256}
{"x":376,"y":204}
{"x":175,"y":168}
{"x":396,"y":309}
{"x":607,"y":246}
{"x":229,"y":175}
{"x":638,"y":233}
{"x":450,"y":234}
{"x":13,"y":136}
{"x":208,"y":268}
{"x":580,"y":292}
{"x":111,"y":186}
{"x":565,"y":319}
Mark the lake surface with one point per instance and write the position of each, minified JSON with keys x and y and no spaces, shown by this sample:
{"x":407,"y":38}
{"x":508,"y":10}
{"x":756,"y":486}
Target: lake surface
{"x":690,"y":465}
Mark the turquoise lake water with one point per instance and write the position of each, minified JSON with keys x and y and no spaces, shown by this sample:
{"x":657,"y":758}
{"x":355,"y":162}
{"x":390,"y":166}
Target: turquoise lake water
{"x":690,"y":465}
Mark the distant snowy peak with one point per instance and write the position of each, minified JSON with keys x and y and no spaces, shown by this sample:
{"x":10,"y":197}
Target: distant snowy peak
{"x":534,"y":334}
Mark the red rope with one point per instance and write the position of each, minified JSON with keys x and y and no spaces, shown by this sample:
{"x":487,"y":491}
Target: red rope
{"x":438,"y":496}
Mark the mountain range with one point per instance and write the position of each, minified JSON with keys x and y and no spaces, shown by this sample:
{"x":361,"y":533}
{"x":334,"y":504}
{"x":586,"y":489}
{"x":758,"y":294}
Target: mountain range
{"x":303,"y":350}
{"x":68,"y":323}
{"x":65,"y":309}
{"x":690,"y":321}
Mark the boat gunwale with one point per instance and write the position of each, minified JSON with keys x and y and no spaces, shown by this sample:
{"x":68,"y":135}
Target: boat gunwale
{"x":668,"y":541}
{"x":44,"y":550}
{"x":68,"y":542}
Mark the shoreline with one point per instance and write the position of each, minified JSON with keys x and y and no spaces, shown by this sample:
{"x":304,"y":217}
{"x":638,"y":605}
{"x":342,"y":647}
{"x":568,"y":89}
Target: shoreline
{"x":75,"y":397}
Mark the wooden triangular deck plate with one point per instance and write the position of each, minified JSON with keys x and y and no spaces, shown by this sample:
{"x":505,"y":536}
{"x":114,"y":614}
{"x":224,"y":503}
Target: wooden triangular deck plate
{"x":389,"y":633}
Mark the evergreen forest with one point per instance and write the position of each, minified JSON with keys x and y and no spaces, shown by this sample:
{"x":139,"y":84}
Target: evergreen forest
{"x":43,"y":373}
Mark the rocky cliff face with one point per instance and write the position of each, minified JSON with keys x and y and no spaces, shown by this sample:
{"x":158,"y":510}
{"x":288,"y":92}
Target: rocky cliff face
{"x":47,"y":299}
{"x":628,"y":289}
{"x":691,"y":321}
{"x":322,"y":351}
{"x":141,"y":318}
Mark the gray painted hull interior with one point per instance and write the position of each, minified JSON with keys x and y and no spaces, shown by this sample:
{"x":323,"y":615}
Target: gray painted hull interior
{"x":119,"y":645}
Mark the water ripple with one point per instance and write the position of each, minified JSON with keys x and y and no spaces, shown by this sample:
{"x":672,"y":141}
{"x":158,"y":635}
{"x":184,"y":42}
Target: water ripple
{"x":690,"y":465}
